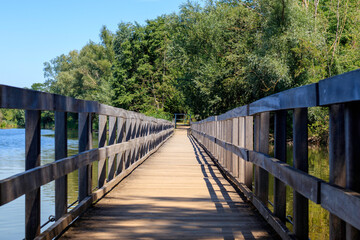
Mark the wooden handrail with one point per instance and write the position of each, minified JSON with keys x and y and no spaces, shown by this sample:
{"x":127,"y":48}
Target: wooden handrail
{"x":238,"y":142}
{"x":133,"y":137}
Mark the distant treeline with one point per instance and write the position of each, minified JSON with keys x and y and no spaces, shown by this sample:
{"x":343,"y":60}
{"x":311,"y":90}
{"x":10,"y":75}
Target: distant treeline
{"x":212,"y":57}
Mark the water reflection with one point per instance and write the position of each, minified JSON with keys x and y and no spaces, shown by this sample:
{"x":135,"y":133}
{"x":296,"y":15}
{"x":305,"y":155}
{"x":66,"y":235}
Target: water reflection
{"x":12,"y":161}
{"x":318,"y":167}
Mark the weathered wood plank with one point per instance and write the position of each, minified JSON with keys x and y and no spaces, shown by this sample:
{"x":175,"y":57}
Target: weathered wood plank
{"x":341,"y":202}
{"x":340,"y":89}
{"x":300,"y":203}
{"x":300,"y":97}
{"x":32,"y":160}
{"x":60,"y":153}
{"x":352,"y":156}
{"x":337,"y":167}
{"x":249,"y":144}
{"x":112,"y":138}
{"x":102,"y":143}
{"x":85,"y":143}
{"x":280,"y":153}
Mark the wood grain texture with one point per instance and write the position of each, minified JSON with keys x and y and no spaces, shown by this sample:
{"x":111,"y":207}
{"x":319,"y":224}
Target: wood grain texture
{"x":32,"y":160}
{"x":175,"y":194}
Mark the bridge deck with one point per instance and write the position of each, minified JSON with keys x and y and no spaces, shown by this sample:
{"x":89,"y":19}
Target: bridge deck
{"x":177,"y":193}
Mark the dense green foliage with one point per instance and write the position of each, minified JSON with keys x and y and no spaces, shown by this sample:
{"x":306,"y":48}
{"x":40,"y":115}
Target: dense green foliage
{"x":214,"y":56}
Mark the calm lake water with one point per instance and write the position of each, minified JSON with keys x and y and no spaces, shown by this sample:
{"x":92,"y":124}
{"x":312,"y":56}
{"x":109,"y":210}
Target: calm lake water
{"x":12,"y":161}
{"x":12,"y":155}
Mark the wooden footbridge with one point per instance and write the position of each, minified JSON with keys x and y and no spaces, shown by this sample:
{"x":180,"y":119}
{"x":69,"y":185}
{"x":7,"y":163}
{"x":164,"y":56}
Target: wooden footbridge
{"x":210,"y":181}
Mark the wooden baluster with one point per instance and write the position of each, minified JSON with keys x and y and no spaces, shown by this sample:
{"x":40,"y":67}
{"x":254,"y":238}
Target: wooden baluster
{"x":112,"y":138}
{"x":102,"y":143}
{"x":249,"y":144}
{"x":264,"y":148}
{"x":352,"y":156}
{"x":60,"y":153}
{"x":32,"y":160}
{"x":256,"y":148}
{"x":120,"y":137}
{"x":301,"y":204}
{"x":128,"y":137}
{"x":337,"y":166}
{"x":229,"y":140}
{"x":85,"y":143}
{"x":235,"y":141}
{"x":280,"y":153}
{"x":241,"y":143}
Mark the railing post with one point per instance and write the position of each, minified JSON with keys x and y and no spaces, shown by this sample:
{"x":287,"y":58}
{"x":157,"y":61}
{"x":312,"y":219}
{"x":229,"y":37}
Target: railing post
{"x":112,"y":138}
{"x":120,"y":137}
{"x":249,"y":144}
{"x":337,"y":167}
{"x":241,"y":143}
{"x":85,"y":143}
{"x":280,"y":153}
{"x":60,"y":152}
{"x":32,"y":159}
{"x":235,"y":141}
{"x":102,"y":143}
{"x":352,"y":156}
{"x":301,"y":203}
{"x":262,"y":145}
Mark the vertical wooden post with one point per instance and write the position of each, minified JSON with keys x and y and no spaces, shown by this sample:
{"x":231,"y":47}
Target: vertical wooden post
{"x":120,"y":137}
{"x":235,"y":141}
{"x":85,"y":142}
{"x":280,"y":153}
{"x":241,"y":142}
{"x":229,"y":140}
{"x":337,"y":167}
{"x":301,"y":204}
{"x":60,"y":152}
{"x":263,"y":185}
{"x":32,"y":159}
{"x":102,"y":143}
{"x":352,"y":156}
{"x":249,"y":144}
{"x":112,"y":138}
{"x":256,"y":148}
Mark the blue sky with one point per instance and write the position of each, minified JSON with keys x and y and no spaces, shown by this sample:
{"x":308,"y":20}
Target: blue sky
{"x":34,"y":32}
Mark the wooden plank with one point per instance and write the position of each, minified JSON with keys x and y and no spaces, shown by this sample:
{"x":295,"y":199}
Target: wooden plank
{"x":60,"y":153}
{"x":256,"y":148}
{"x":352,"y":156}
{"x":307,"y":185}
{"x":337,"y":167}
{"x":84,"y":145}
{"x":300,"y":204}
{"x":280,"y":153}
{"x":102,"y":143}
{"x":340,"y":89}
{"x":263,"y":191}
{"x":235,"y":142}
{"x":233,"y":113}
{"x":112,"y":138}
{"x":120,"y":137}
{"x":300,"y":97}
{"x":249,"y":144}
{"x":341,"y":202}
{"x":32,"y":160}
